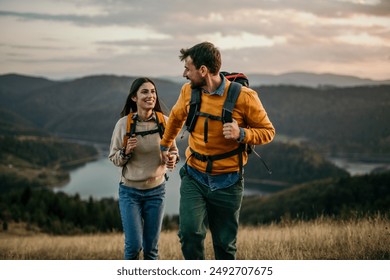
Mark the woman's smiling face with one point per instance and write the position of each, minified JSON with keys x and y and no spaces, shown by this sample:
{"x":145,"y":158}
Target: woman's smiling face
{"x":146,"y":96}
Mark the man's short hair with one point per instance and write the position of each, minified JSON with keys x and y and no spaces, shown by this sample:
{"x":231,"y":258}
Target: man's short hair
{"x":203,"y":54}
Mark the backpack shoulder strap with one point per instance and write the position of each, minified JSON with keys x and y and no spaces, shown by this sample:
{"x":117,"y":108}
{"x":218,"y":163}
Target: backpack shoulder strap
{"x":194,"y":109}
{"x":130,"y":127}
{"x":230,"y":101}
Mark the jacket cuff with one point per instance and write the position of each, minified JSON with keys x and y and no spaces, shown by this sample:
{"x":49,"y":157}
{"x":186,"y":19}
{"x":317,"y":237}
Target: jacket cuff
{"x":242,"y":135}
{"x":163,"y":148}
{"x":124,"y":156}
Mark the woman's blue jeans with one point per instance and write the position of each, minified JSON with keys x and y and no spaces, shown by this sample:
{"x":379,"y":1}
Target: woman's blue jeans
{"x":142,"y":214}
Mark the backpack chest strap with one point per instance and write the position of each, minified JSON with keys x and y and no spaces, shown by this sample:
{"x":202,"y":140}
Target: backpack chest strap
{"x":144,"y":133}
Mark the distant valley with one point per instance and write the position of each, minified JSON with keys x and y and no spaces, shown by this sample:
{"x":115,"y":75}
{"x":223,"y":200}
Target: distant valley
{"x":310,"y":121}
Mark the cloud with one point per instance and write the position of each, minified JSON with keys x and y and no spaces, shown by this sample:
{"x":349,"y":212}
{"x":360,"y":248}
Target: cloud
{"x":282,"y":35}
{"x":241,"y":40}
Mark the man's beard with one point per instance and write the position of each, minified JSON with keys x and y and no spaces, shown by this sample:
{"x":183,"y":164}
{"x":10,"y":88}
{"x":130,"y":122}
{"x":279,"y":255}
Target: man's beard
{"x":199,"y":84}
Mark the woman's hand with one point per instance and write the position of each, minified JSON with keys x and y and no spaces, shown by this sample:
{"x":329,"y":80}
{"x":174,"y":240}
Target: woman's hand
{"x":131,"y":145}
{"x":171,"y":162}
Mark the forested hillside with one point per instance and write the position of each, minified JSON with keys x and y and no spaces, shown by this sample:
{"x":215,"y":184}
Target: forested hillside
{"x":336,"y":120}
{"x":58,"y":213}
{"x":290,"y":164}
{"x":85,"y":108}
{"x":339,"y":198}
{"x":30,"y":156}
{"x":352,"y":197}
{"x":37,"y":161}
{"x":333,"y":120}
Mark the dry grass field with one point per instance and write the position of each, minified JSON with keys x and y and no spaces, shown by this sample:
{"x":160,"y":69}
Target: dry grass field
{"x":322,"y":239}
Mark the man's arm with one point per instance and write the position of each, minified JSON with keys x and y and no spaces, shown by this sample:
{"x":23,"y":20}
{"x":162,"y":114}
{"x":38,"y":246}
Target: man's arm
{"x":259,"y":128}
{"x":175,"y":122}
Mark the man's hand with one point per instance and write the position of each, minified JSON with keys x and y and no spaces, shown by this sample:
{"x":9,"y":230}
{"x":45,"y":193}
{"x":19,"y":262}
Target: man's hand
{"x":171,"y":163}
{"x":231,"y":130}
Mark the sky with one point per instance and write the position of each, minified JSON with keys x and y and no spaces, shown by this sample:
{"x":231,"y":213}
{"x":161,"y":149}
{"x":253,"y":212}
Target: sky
{"x":63,"y":39}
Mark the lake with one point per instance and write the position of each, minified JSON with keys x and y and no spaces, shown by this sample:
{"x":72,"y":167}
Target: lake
{"x":100,"y":179}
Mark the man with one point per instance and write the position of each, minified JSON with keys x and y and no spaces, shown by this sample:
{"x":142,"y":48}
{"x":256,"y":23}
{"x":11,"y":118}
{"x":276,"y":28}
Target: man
{"x":213,"y":188}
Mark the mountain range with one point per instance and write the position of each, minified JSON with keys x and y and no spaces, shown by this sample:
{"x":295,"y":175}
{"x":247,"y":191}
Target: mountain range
{"x":334,"y":119}
{"x":303,"y":79}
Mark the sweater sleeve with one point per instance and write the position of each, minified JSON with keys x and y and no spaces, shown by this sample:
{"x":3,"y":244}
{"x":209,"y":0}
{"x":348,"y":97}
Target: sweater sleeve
{"x":258,"y":127}
{"x":117,"y":142}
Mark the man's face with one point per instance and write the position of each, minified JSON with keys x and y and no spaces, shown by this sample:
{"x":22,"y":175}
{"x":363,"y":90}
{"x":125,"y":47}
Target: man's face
{"x":192,"y":74}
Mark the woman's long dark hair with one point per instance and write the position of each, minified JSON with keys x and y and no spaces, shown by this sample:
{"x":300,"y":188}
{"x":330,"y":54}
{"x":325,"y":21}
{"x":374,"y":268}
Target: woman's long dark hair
{"x":130,"y":105}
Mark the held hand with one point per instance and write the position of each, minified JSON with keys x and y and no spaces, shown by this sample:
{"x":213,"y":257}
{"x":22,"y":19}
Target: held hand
{"x":164,"y":157}
{"x":171,"y":163}
{"x":131,"y":144}
{"x":231,"y":130}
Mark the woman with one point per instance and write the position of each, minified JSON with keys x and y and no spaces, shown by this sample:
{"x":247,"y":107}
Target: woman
{"x":142,"y":185}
